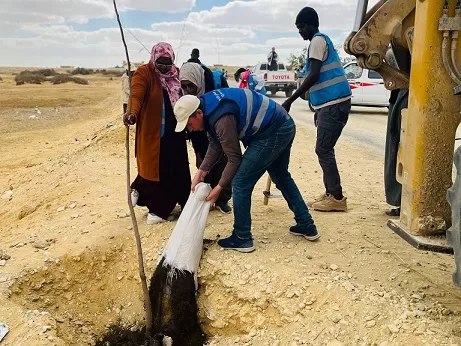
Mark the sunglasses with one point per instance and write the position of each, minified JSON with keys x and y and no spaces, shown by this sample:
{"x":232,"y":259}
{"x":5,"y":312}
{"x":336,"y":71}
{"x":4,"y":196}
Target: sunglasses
{"x":188,"y":85}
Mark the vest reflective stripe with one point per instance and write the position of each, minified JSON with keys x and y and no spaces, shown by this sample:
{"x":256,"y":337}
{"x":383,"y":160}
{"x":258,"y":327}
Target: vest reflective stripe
{"x":260,"y":116}
{"x":332,"y":83}
{"x":256,"y":111}
{"x":249,"y":97}
{"x":328,"y":83}
{"x":331,"y":66}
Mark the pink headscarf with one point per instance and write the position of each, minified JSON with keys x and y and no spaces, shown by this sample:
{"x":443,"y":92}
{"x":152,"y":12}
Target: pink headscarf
{"x":170,"y":80}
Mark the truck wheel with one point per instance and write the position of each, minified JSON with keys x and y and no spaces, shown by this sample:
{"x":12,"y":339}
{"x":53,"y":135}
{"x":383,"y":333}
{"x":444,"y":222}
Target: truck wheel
{"x":288,"y":93}
{"x":273,"y":92}
{"x":454,"y":232}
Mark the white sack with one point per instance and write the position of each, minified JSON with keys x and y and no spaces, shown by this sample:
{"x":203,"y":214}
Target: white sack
{"x":184,"y":248}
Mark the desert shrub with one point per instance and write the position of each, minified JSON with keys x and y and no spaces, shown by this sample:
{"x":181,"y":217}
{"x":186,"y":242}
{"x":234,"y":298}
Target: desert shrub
{"x":30,"y":77}
{"x":65,"y":78}
{"x":47,"y":72}
{"x":82,"y":71}
{"x":112,"y":73}
{"x":78,"y":80}
{"x":1,"y":79}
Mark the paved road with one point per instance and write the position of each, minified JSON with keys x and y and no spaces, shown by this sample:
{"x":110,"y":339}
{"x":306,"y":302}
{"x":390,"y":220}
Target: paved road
{"x":366,"y":125}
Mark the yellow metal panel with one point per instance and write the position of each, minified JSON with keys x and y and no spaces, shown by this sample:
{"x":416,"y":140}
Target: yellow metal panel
{"x":428,"y":129}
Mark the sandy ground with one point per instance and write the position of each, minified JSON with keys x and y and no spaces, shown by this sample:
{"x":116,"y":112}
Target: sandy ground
{"x":69,"y":262}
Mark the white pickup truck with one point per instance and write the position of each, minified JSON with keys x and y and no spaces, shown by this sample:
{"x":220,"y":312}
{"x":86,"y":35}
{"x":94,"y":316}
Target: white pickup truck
{"x":367,"y":87}
{"x":280,"y":80}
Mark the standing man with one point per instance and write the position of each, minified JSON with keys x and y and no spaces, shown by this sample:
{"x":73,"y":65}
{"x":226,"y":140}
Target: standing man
{"x":267,"y":131}
{"x":272,"y":59}
{"x":330,"y":95}
{"x":209,"y":80}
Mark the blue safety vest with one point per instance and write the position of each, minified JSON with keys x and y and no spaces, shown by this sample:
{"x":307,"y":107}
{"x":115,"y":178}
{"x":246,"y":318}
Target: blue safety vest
{"x":256,"y":111}
{"x":217,"y":79}
{"x":252,"y":85}
{"x":332,"y":83}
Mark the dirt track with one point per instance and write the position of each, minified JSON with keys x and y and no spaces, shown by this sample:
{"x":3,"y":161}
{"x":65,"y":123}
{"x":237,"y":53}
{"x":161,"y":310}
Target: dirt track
{"x":72,"y":272}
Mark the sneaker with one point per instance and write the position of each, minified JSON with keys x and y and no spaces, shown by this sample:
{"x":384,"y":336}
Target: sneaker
{"x":310,"y":232}
{"x":329,"y":203}
{"x":234,"y":243}
{"x":318,"y":199}
{"x":134,"y":197}
{"x":223,"y":208}
{"x":153,"y":219}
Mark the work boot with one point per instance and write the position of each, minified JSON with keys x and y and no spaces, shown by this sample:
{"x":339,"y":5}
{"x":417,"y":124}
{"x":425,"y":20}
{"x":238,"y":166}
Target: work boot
{"x":318,"y":199}
{"x":329,"y":203}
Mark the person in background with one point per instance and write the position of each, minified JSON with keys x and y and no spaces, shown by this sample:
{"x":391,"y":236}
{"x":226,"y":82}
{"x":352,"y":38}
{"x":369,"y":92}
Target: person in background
{"x":398,"y":100}
{"x":126,"y":87}
{"x":161,"y":153}
{"x":272,"y":60}
{"x":219,"y":80}
{"x":267,"y":132}
{"x":257,"y":83}
{"x":330,"y":95}
{"x":209,"y":80}
{"x":192,"y":79}
{"x":244,"y":78}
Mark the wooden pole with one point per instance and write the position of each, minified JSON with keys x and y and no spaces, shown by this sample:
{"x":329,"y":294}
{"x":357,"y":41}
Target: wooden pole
{"x":142,"y":273}
{"x":267,"y":192}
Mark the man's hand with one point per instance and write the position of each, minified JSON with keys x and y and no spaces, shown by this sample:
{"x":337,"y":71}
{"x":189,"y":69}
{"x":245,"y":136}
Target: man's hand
{"x":287,"y":105}
{"x":214,"y":194}
{"x":129,"y":119}
{"x":198,"y":178}
{"x":198,"y":160}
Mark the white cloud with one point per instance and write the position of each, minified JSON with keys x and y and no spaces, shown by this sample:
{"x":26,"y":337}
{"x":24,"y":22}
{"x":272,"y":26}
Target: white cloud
{"x":278,"y":16}
{"x":80,"y":11}
{"x":157,"y":5}
{"x":225,"y":34}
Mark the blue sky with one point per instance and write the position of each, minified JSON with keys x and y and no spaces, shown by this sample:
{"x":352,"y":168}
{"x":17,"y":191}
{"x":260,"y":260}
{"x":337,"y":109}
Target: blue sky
{"x":85,"y":32}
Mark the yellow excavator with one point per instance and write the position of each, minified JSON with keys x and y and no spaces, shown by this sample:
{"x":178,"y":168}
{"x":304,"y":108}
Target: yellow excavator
{"x":423,"y":35}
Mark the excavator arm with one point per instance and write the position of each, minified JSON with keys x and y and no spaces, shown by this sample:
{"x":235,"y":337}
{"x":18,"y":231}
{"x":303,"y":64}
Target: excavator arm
{"x":423,"y":35}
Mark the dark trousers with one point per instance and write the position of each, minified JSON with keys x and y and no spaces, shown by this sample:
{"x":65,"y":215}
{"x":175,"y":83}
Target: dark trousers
{"x":270,"y":153}
{"x":213,"y":178}
{"x":330,"y":123}
{"x":392,"y":187}
{"x":273,"y":66}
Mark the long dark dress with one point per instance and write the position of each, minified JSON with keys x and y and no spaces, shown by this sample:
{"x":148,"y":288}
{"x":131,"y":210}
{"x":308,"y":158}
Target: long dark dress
{"x":393,"y":189}
{"x":175,"y":180}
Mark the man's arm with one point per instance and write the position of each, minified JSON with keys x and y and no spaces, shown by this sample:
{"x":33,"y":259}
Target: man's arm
{"x":317,"y":51}
{"x":226,"y":129}
{"x":212,"y":155}
{"x":229,"y":143}
{"x":309,"y":81}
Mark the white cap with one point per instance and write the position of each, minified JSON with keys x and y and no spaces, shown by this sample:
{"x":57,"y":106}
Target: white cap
{"x":183,"y":109}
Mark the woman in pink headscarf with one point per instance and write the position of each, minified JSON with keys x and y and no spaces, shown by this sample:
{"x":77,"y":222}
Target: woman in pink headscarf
{"x":163,"y":167}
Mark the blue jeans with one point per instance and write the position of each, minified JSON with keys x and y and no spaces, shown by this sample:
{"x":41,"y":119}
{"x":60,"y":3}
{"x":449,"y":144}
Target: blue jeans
{"x":269,"y":153}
